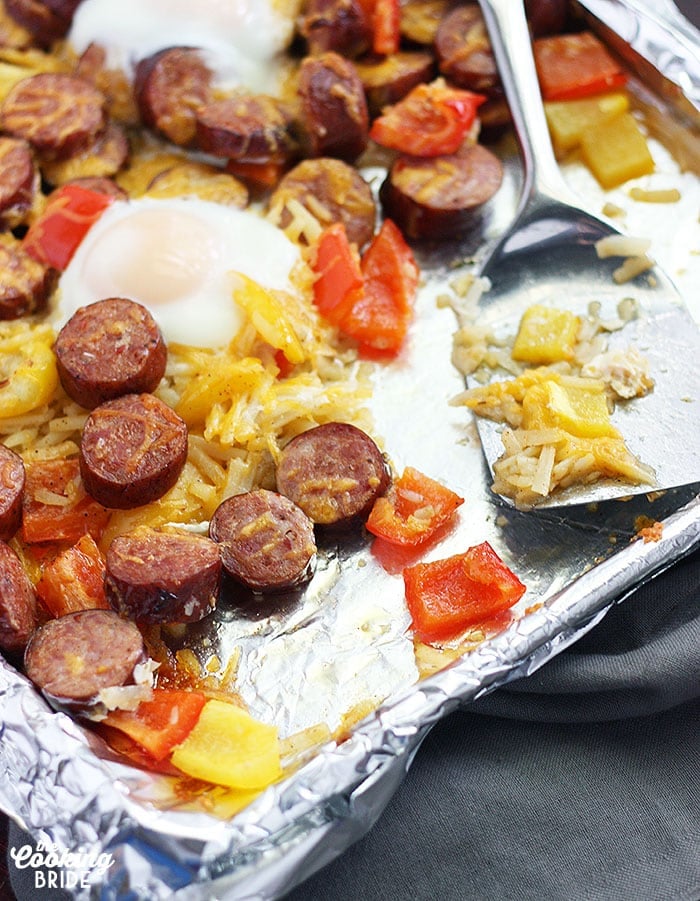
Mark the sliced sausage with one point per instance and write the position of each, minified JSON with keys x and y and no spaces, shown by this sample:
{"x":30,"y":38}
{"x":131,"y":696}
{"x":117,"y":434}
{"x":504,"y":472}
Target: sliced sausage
{"x":132,"y":451}
{"x":93,"y":66}
{"x":246,"y":128}
{"x":12,"y":481}
{"x":464,"y":50}
{"x":109,"y":348}
{"x":17,"y":602}
{"x":47,"y":20}
{"x":331,"y":191}
{"x":266,"y":541}
{"x":547,"y":16}
{"x":26,"y":284}
{"x":58,"y":114}
{"x":163,"y":577}
{"x":199,"y":180}
{"x":334,"y":472}
{"x":389,"y":79}
{"x":436,"y":197}
{"x":19,"y":181}
{"x":334,"y":109}
{"x":339,"y":25}
{"x":169,"y":88}
{"x":104,"y":157}
{"x":72,"y":658}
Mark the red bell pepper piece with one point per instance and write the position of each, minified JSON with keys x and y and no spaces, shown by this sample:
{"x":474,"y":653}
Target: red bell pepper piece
{"x":414,"y":509}
{"x":446,"y":597}
{"x":74,"y":579}
{"x":339,"y":279}
{"x":431,"y":120}
{"x":162,"y":723}
{"x":575,"y":65}
{"x":70,"y":212}
{"x":65,"y":521}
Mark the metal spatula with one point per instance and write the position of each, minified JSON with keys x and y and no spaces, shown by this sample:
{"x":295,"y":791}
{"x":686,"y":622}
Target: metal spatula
{"x":548,"y":256}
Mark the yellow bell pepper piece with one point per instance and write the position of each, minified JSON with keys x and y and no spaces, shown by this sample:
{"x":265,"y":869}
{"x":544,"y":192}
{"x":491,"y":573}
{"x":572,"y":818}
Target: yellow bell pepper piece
{"x":228,"y":747}
{"x":570,"y":120}
{"x":579,"y":410}
{"x":617,"y":151}
{"x":269,"y":318}
{"x":28,"y":375}
{"x":218,"y":384}
{"x":546,"y":335}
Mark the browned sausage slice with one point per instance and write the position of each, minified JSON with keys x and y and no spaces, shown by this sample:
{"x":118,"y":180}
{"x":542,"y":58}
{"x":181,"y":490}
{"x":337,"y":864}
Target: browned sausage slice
{"x":266,"y":541}
{"x":72,"y":658}
{"x":58,"y":114}
{"x":436,"y":198}
{"x":464,"y":50}
{"x":389,"y":79}
{"x":47,"y":20}
{"x":340,"y":25}
{"x":334,"y":472}
{"x":17,"y":602}
{"x":104,"y":157}
{"x":109,"y":348}
{"x":169,"y":87}
{"x":334,"y":108}
{"x":12,"y":481}
{"x":25,"y":284}
{"x":331,"y":191}
{"x":19,"y":181}
{"x":163,"y":577}
{"x":248,"y":128}
{"x":132,"y":451}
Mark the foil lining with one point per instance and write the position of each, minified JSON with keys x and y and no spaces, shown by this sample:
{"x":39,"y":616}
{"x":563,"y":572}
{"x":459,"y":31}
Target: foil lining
{"x":344,"y":641}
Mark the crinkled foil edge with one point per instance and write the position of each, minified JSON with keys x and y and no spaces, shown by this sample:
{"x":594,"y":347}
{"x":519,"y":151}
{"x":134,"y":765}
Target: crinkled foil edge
{"x":57,"y":788}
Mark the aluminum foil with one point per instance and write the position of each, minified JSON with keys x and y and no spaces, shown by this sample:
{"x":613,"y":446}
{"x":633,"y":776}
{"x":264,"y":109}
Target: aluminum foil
{"x":344,"y":641}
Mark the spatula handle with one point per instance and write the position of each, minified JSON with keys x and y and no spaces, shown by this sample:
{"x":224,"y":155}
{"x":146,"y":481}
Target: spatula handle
{"x":511,"y":44}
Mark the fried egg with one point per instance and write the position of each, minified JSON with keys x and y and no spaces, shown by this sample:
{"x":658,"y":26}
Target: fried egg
{"x":241,"y":40}
{"x":179,"y":258}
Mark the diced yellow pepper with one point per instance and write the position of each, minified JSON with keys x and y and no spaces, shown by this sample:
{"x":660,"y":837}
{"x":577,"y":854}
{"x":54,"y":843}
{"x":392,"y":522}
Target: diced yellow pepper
{"x":268,"y":317}
{"x":617,"y":151}
{"x":28,"y":374}
{"x":546,"y":335}
{"x":218,"y":384}
{"x":569,"y":120}
{"x":228,"y":747}
{"x":577,"y":409}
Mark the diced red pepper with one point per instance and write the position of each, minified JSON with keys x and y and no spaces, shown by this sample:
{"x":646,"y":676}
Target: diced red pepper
{"x":379,"y":317}
{"x":70,"y":212}
{"x":162,"y":723}
{"x":75,"y":513}
{"x":415,"y":508}
{"x":575,"y":65}
{"x":446,"y":597}
{"x":339,"y":279}
{"x":431,"y":120}
{"x":74,"y":579}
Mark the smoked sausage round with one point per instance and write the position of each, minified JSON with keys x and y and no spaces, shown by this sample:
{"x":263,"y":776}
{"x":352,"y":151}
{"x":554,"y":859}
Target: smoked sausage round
{"x":12,"y":481}
{"x":436,"y":197}
{"x":26,"y":284}
{"x":249,"y":129}
{"x":17,"y":602}
{"x":266,"y":541}
{"x":58,"y":114}
{"x":464,"y":51}
{"x":163,"y":577}
{"x":334,"y":472}
{"x":107,"y":349}
{"x":19,"y":181}
{"x":132,"y":451}
{"x":72,"y":658}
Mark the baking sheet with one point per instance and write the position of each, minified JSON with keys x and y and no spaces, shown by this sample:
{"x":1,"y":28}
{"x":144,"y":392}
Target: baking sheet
{"x":344,"y":641}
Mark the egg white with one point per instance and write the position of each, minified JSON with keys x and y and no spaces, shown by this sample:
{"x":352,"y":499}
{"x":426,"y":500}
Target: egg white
{"x":241,"y":40}
{"x":178,"y":257}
